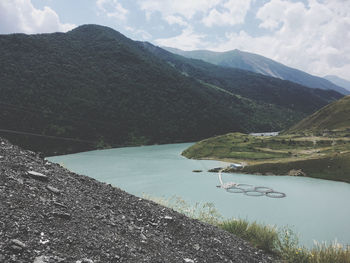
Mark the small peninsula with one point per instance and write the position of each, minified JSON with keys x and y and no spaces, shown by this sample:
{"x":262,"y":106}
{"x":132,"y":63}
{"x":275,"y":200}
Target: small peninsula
{"x":318,"y":146}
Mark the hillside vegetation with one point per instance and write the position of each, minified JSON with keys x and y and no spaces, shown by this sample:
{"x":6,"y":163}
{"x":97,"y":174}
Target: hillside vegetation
{"x":94,"y":88}
{"x":318,"y":146}
{"x":320,"y":157}
{"x":334,"y":118}
{"x":259,"y":64}
{"x":249,"y":84}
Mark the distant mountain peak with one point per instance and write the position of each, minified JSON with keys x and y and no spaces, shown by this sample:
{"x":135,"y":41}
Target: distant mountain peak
{"x":260,"y":64}
{"x":96,"y":31}
{"x":90,"y":27}
{"x":338,"y":81}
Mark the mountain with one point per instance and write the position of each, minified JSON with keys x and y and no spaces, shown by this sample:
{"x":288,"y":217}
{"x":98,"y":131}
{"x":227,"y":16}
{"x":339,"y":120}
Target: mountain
{"x":248,"y":84}
{"x":339,"y":81}
{"x":335,"y":116}
{"x":259,"y":64}
{"x":94,"y":88}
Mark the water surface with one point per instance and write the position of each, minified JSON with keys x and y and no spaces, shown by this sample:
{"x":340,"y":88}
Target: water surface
{"x":317,"y":209}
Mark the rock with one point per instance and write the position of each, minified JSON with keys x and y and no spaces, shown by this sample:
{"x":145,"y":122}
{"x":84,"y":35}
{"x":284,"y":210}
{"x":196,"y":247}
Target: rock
{"x":18,"y":243}
{"x":215,"y":170}
{"x":38,"y":176}
{"x":41,"y":259}
{"x":60,"y":205}
{"x":74,"y":226}
{"x":143,"y":237}
{"x":85,"y":260}
{"x":295,"y":172}
{"x":53,"y":189}
{"x":61,"y":215}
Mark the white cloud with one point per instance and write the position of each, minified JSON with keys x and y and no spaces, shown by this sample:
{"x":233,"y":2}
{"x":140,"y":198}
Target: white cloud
{"x":234,"y":12}
{"x":312,"y":37}
{"x":187,"y":40}
{"x":20,"y":16}
{"x":185,"y":8}
{"x":113,"y":9}
{"x":139,"y":33}
{"x":214,"y":12}
{"x":171,"y":19}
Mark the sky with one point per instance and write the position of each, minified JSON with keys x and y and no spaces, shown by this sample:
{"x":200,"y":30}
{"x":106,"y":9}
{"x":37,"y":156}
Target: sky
{"x":310,"y":35}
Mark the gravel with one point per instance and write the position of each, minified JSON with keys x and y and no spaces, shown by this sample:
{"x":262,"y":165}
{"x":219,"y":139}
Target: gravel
{"x":50,"y":215}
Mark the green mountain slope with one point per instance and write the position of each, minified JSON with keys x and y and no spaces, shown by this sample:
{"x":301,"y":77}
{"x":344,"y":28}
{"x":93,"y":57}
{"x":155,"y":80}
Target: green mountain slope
{"x":260,"y":64}
{"x":97,"y":88}
{"x":335,"y":116}
{"x":249,"y":84}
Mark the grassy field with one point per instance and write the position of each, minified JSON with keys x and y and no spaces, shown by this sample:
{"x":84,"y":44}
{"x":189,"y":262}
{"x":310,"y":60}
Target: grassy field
{"x":326,"y":156}
{"x":282,"y":244}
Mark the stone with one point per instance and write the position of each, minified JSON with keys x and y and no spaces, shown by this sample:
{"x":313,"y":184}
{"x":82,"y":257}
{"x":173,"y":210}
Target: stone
{"x":196,"y":247}
{"x":41,"y":259}
{"x":53,"y":189}
{"x":18,"y":243}
{"x":61,"y":215}
{"x":37,"y":176}
{"x":85,"y":260}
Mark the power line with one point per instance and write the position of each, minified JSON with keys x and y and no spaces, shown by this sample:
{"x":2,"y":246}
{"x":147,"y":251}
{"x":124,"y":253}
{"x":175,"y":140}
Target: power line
{"x":47,"y":136}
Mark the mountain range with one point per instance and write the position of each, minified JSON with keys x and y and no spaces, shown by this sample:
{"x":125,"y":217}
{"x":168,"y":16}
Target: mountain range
{"x":259,"y":64}
{"x":93,"y":88}
{"x":338,"y":81}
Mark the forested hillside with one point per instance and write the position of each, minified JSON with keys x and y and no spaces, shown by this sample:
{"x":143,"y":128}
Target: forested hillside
{"x":249,"y":84}
{"x":96,"y":88}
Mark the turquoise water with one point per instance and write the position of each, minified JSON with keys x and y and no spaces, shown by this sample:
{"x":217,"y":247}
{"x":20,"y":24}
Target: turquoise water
{"x":318,"y":209}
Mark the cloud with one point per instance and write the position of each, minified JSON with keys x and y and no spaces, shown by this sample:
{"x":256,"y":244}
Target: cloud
{"x":184,"y":8}
{"x":180,"y":8}
{"x":187,"y":40}
{"x":20,"y":16}
{"x":139,"y":33}
{"x":113,"y":9}
{"x":214,"y":12}
{"x":233,"y":13}
{"x":171,"y":19}
{"x":312,"y":37}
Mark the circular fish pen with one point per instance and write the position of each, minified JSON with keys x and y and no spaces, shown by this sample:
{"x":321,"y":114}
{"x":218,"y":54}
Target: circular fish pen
{"x":248,"y":189}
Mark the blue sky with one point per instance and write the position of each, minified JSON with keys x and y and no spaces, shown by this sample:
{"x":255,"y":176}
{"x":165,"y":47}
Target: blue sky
{"x":311,"y":35}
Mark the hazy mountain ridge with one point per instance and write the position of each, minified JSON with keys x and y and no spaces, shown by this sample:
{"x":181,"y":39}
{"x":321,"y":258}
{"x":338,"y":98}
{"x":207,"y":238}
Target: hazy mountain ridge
{"x":259,"y":64}
{"x":249,"y":84}
{"x":338,"y":81}
{"x":101,"y":89}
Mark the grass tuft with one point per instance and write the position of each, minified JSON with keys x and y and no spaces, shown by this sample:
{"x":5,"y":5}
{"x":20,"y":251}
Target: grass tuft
{"x":282,"y":243}
{"x":261,"y":236}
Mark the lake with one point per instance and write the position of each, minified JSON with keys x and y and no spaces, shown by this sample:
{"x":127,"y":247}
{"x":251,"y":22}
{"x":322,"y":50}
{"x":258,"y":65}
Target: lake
{"x":317,"y":209}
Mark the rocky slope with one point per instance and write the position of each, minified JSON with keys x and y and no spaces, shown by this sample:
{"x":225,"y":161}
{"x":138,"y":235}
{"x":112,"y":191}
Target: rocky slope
{"x":49,"y":214}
